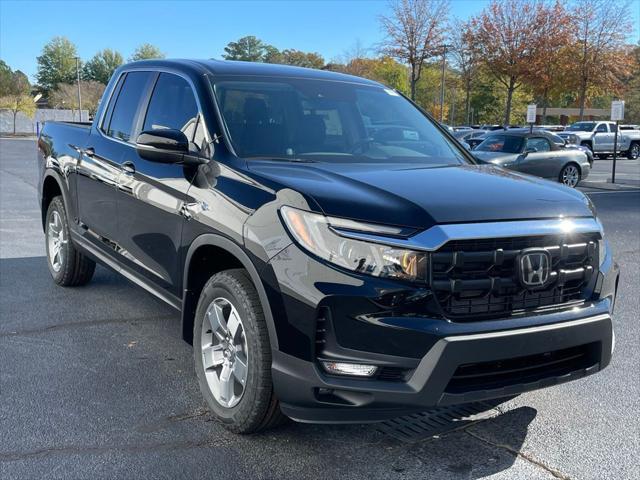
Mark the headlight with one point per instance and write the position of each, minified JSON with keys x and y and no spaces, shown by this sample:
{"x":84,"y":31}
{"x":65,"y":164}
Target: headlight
{"x":602,"y":251}
{"x":316,"y":234}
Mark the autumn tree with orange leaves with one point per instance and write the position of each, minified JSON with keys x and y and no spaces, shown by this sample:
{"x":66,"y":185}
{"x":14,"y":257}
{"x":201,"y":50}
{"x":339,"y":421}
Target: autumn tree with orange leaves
{"x":549,"y":73}
{"x":508,"y":37}
{"x":415,"y":32}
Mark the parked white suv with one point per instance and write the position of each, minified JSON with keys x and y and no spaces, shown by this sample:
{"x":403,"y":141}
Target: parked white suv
{"x":599,"y":137}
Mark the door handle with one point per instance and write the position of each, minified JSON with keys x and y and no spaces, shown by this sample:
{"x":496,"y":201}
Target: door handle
{"x":189,"y":210}
{"x":89,"y":151}
{"x":128,"y":168}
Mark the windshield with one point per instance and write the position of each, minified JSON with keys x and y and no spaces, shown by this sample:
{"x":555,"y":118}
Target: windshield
{"x":328,"y":121}
{"x":582,"y":127}
{"x":501,"y":143}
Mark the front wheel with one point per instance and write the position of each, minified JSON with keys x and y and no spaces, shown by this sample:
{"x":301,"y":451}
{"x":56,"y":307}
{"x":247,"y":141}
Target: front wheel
{"x":570,"y":175}
{"x":634,"y":151}
{"x":67,"y":265}
{"x":232,"y":354}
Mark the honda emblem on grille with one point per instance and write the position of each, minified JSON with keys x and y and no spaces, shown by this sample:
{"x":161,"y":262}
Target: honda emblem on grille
{"x":535,"y":267}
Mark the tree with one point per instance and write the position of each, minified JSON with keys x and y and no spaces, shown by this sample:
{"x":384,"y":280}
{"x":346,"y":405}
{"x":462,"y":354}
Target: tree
{"x":5,"y":78}
{"x":508,"y":38}
{"x":598,"y":53}
{"x":56,"y":64}
{"x":146,"y":51}
{"x":248,"y":49}
{"x":465,"y":59}
{"x":15,"y":93}
{"x":66,"y":95}
{"x":384,"y":70}
{"x":548,"y":73}
{"x":301,"y":59}
{"x":632,"y":88}
{"x":102,"y":65}
{"x":414,"y":33}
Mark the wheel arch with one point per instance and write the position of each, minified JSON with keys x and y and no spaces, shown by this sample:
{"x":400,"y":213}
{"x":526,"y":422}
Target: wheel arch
{"x":587,"y":143}
{"x":52,"y":186}
{"x":193,"y":278}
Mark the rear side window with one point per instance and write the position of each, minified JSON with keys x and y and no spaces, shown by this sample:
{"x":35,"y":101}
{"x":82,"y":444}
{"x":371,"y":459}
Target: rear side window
{"x":173,"y":106}
{"x":540,"y":144}
{"x":124,"y":112}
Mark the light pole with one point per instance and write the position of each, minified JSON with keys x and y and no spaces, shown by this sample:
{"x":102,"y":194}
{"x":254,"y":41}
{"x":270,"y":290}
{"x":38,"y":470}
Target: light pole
{"x":79,"y":94}
{"x":444,"y":63}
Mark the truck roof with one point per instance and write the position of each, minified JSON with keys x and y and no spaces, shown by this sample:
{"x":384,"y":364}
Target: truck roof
{"x":233,"y":67}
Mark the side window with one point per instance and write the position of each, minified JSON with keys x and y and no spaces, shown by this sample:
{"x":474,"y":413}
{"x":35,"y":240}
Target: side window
{"x":602,"y":128}
{"x":613,"y":128}
{"x":124,"y":112}
{"x":540,"y":144}
{"x":173,"y":106}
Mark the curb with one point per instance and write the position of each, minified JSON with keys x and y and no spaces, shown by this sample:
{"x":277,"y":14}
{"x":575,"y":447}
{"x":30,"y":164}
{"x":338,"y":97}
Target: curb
{"x":610,"y":186}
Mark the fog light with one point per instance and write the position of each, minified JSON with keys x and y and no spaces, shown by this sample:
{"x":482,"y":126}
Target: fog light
{"x":341,"y":368}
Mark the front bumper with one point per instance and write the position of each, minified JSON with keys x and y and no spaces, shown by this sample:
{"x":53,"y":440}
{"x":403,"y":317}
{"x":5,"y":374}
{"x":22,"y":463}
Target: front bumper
{"x":436,"y":358}
{"x":309,"y":395}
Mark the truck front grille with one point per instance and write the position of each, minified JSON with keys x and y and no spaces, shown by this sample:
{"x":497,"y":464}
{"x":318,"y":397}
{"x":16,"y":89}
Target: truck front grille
{"x":478,"y":279}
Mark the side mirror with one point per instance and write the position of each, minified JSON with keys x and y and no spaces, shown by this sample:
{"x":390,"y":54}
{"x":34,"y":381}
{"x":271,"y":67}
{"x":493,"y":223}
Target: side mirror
{"x":166,"y":146}
{"x":530,"y":150}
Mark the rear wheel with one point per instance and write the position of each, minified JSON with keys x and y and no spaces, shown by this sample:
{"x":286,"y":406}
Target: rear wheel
{"x":570,"y":175}
{"x":67,"y":265}
{"x":232,"y":354}
{"x":634,"y":151}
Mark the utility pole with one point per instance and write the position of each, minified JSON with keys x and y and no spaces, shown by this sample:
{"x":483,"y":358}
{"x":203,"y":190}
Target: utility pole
{"x":452,"y":117}
{"x":444,"y":63}
{"x":79,"y":94}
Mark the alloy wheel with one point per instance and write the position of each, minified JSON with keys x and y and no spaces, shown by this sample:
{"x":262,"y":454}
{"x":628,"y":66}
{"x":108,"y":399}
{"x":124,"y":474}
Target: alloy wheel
{"x":635,"y":151}
{"x":224,"y":352}
{"x":570,"y":176}
{"x":56,"y":239}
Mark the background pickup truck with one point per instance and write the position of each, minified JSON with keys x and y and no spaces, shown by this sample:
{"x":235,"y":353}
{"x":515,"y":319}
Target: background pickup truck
{"x":599,"y":137}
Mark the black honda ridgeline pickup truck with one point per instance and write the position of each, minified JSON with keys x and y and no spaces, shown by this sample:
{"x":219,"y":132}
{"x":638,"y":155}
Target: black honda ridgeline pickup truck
{"x":336,"y":255}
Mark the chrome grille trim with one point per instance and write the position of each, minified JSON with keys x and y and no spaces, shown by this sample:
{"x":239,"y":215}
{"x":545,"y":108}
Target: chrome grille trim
{"x":435,"y":237}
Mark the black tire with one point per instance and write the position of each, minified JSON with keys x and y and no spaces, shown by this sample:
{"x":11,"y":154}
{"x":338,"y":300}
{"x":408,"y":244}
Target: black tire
{"x":258,"y":408}
{"x":75,"y":268}
{"x":634,"y":151}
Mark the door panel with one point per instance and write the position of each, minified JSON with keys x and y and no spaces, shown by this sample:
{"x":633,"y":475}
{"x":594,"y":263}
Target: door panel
{"x":99,"y":165}
{"x":150,"y":202}
{"x":97,"y":177}
{"x":151,"y":195}
{"x":603,"y":139}
{"x":538,"y":163}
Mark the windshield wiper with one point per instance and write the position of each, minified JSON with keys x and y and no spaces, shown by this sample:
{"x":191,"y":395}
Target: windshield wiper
{"x":279,"y":158}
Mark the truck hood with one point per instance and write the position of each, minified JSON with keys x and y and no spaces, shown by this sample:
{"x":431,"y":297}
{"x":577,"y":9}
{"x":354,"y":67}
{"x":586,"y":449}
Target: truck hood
{"x":418,"y":196}
{"x":578,"y":133}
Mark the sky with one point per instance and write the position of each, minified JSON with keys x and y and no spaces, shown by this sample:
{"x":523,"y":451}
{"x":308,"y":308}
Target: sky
{"x":200,"y":29}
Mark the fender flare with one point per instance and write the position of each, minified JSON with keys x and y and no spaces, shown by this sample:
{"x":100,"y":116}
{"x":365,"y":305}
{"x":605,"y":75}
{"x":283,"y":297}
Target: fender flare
{"x":62,"y":185}
{"x":189,"y":302}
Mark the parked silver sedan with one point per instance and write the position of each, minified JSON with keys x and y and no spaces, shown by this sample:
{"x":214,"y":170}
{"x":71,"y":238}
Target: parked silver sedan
{"x":534,"y":153}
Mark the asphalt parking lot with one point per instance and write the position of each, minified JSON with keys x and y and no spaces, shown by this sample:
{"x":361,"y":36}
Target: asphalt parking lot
{"x":95,"y":382}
